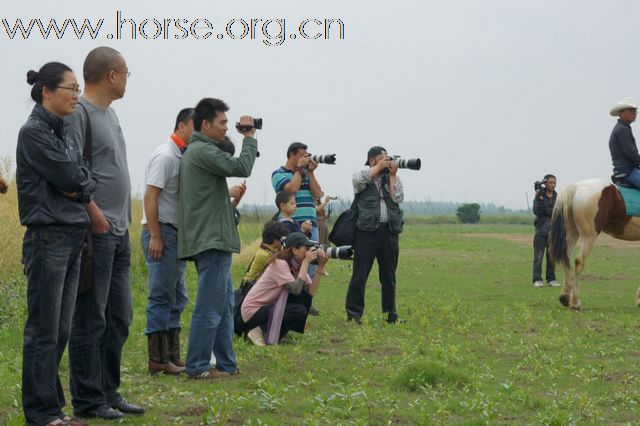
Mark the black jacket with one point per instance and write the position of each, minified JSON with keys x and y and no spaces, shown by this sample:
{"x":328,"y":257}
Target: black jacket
{"x":624,"y":151}
{"x":48,"y":163}
{"x":543,"y":210}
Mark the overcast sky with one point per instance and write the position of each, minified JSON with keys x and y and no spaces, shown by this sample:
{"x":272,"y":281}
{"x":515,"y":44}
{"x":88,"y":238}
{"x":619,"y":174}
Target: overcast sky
{"x":490,"y":94}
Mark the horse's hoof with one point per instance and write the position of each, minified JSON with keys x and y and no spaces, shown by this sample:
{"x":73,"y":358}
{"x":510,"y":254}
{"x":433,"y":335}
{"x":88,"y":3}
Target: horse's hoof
{"x":564,"y":299}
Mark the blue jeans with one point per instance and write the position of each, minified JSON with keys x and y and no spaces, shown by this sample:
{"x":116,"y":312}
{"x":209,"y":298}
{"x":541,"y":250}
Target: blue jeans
{"x":101,"y":325}
{"x":315,"y":236}
{"x":51,"y":256}
{"x":633,"y":177}
{"x":212,"y":320}
{"x":167,"y":291}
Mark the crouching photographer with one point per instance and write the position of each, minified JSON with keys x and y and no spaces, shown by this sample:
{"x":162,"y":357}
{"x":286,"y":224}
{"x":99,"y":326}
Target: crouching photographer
{"x":280,"y":300}
{"x":378,"y":193}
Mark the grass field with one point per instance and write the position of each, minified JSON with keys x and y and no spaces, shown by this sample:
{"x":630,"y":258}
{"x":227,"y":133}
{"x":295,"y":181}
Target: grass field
{"x":480,"y":345}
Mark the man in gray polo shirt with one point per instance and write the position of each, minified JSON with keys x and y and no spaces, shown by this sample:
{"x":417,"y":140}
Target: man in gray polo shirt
{"x":105,"y":310}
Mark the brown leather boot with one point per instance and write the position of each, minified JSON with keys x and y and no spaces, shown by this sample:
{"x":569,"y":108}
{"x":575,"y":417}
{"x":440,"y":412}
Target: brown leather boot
{"x":158,"y":344}
{"x":174,"y":347}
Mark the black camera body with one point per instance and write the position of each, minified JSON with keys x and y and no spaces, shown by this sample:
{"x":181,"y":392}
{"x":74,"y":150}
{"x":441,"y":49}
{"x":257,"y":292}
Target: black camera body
{"x":342,"y":252}
{"x":324,"y":159}
{"x":257,"y":124}
{"x":540,"y":186}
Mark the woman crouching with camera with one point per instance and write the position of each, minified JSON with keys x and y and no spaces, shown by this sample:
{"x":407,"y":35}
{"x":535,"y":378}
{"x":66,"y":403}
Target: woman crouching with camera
{"x":280,"y":300}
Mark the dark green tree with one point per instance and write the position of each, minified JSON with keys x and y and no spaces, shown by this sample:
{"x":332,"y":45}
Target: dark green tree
{"x":468,"y":213}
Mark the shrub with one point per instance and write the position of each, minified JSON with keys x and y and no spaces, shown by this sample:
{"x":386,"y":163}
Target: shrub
{"x":468,"y":213}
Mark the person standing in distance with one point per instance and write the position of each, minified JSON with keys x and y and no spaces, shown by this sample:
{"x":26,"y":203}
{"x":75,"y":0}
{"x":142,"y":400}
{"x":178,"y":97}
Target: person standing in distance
{"x":543,"y":204}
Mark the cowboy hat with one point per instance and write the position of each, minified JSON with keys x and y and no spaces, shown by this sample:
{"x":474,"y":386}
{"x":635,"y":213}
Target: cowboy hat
{"x":626,"y":103}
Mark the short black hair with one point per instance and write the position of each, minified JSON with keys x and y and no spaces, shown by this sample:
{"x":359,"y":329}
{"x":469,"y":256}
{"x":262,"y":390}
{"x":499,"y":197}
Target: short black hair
{"x":184,"y":116}
{"x":283,"y":197}
{"x":207,"y":109}
{"x":549,"y":175}
{"x":273,"y":231}
{"x":99,"y":62}
{"x":228,"y":146}
{"x":294,"y":147}
{"x":50,"y":76}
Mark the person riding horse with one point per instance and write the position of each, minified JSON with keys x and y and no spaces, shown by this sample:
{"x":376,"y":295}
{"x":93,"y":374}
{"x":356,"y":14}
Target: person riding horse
{"x":622,"y":144}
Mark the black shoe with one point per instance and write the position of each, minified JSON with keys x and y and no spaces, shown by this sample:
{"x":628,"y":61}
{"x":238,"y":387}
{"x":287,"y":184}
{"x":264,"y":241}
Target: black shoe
{"x":394,"y":319}
{"x":126,"y":407}
{"x":355,"y":318}
{"x":103,"y":412}
{"x":313,"y":311}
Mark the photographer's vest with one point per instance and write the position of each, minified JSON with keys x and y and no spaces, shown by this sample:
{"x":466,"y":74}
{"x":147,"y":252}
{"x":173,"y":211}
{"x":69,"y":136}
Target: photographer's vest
{"x":369,"y":209}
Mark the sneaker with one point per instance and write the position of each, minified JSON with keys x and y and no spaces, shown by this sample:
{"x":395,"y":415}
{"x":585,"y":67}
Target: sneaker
{"x":538,"y":284}
{"x":256,"y":335}
{"x":313,"y":311}
{"x":553,"y":283}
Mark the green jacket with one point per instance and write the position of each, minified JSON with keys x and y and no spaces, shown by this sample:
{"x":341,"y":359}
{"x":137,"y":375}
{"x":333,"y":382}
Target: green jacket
{"x":206,"y":216}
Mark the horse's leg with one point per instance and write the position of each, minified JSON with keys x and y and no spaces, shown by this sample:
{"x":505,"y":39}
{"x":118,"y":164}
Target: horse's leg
{"x":585,"y":249}
{"x":565,"y":293}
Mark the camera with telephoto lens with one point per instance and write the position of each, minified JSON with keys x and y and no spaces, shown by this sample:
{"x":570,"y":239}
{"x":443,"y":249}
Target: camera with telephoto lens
{"x":342,"y":252}
{"x":257,"y":124}
{"x":325,"y":159}
{"x":404,"y":163}
{"x":540,"y":186}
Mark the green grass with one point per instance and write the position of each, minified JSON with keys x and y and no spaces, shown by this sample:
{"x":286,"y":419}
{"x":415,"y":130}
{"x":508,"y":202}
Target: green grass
{"x":480,"y":345}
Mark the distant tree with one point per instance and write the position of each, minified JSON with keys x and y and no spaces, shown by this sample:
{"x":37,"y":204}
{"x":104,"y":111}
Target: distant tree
{"x":468,"y":213}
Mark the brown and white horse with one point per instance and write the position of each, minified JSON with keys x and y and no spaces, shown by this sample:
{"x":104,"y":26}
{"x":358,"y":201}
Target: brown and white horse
{"x":581,"y":212}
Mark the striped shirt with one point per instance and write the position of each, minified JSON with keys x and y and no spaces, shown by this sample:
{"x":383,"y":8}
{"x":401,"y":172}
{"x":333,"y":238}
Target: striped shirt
{"x":305,"y":207}
{"x":360,"y":181}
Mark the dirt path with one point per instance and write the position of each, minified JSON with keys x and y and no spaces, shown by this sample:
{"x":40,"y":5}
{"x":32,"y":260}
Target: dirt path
{"x":527,"y":239}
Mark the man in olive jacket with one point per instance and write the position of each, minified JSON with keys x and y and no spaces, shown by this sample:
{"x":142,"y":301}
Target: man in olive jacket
{"x":207,"y":233}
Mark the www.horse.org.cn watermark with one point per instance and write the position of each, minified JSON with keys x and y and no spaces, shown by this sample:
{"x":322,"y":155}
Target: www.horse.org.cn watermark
{"x":270,"y":31}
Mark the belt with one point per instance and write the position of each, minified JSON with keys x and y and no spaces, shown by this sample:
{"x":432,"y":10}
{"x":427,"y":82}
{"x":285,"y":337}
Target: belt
{"x":145,"y":226}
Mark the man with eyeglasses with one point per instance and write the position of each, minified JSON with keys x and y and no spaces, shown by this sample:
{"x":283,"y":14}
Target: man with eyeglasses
{"x":104,"y":308}
{"x":167,"y":291}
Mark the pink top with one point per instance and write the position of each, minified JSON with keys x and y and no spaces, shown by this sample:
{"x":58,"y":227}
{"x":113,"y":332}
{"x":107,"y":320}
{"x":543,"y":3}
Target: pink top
{"x":266,"y":291}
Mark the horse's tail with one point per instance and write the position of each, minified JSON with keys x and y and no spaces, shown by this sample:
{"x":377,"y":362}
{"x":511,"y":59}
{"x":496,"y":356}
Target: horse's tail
{"x":562,"y":225}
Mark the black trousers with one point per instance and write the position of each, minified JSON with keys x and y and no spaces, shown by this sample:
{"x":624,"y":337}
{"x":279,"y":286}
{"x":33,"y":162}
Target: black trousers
{"x":539,"y":248}
{"x":381,"y":245}
{"x":294,"y":319}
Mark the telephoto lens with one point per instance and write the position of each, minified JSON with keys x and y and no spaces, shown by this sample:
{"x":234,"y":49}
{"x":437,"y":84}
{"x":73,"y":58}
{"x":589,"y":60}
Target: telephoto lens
{"x":409,"y":163}
{"x":325,"y":159}
{"x":342,"y":252}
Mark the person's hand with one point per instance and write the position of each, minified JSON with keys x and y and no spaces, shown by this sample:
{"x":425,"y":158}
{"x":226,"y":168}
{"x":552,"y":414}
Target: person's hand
{"x":311,"y":255}
{"x":312,"y":166}
{"x":382,"y":165}
{"x":246,"y":120}
{"x":4,"y":187}
{"x":323,"y":258}
{"x":329,"y":198}
{"x":155,"y":247}
{"x":99,"y":223}
{"x":237,"y":191}
{"x":306,"y":226}
{"x":304,"y":161}
{"x":70,"y":195}
{"x":393,"y":167}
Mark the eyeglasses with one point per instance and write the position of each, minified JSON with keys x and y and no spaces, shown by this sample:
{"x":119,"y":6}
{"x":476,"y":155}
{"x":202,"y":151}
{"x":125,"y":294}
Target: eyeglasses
{"x":127,"y":73}
{"x":77,"y":90}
